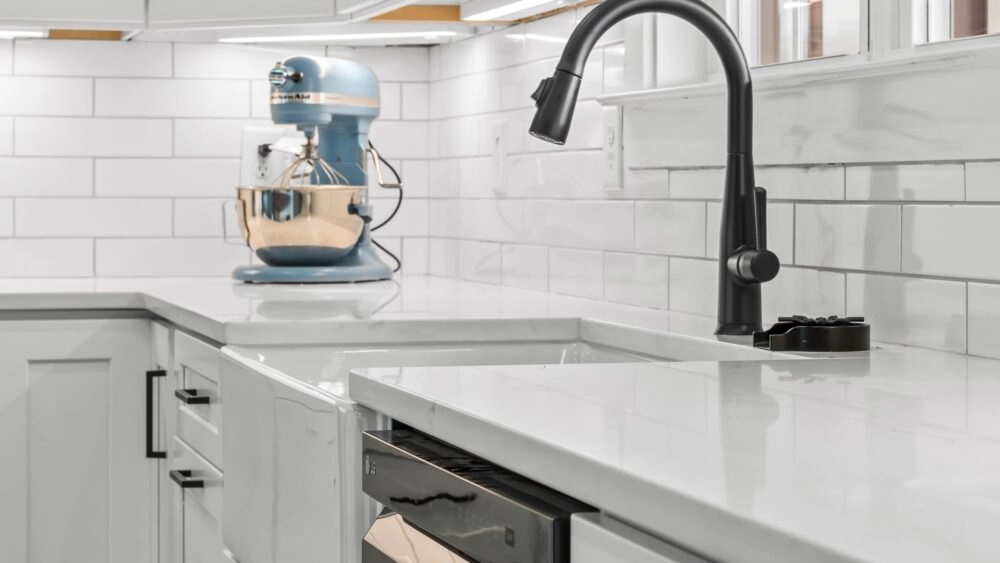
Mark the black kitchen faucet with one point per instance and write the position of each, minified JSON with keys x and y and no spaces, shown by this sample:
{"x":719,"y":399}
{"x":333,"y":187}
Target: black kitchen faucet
{"x":744,"y":261}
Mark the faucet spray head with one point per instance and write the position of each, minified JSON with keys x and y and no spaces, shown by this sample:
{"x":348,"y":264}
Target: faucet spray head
{"x":555,"y":99}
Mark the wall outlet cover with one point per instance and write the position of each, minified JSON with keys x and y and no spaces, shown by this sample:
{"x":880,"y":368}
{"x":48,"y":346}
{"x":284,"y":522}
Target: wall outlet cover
{"x":612,"y":148}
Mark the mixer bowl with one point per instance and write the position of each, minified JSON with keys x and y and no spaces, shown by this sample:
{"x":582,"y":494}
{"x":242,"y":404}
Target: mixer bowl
{"x":313,"y":225}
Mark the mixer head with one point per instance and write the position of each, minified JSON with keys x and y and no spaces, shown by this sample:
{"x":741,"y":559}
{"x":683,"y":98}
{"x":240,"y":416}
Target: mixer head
{"x":317,"y":91}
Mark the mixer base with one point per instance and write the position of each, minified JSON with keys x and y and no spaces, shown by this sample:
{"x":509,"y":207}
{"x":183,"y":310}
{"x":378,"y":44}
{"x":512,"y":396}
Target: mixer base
{"x":312,"y":274}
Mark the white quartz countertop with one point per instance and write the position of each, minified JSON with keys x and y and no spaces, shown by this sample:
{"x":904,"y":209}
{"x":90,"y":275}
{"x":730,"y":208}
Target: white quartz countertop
{"x":893,"y":457}
{"x":420,"y":307}
{"x":881,"y":457}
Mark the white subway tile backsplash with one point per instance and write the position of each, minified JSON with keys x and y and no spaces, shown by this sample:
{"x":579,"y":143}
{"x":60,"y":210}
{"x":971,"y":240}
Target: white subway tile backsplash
{"x":646,"y":184}
{"x":43,"y":258}
{"x":954,"y":241}
{"x":212,"y":137}
{"x":154,"y":97}
{"x":6,"y":56}
{"x":443,"y":257}
{"x":926,"y":182}
{"x":694,"y":286}
{"x":416,"y":100}
{"x":32,"y":95}
{"x":6,"y":217}
{"x":599,"y":225}
{"x":812,"y":183}
{"x":982,"y":181}
{"x":93,"y":217}
{"x":801,"y":291}
{"x":465,"y":95}
{"x":399,"y":64}
{"x":915,"y":312}
{"x":780,"y":230}
{"x":82,"y":136}
{"x":984,"y":310}
{"x":479,"y":261}
{"x":574,"y":175}
{"x":411,"y":220}
{"x":175,"y":257}
{"x":93,"y":58}
{"x":167,"y":177}
{"x":6,"y":135}
{"x":526,"y":266}
{"x":38,"y":176}
{"x":260,"y":99}
{"x":489,"y":52}
{"x":203,"y":217}
{"x":400,"y":139}
{"x":856,"y":237}
{"x":390,"y":99}
{"x":416,"y":178}
{"x":702,"y":183}
{"x":674,"y":228}
{"x":416,"y":255}
{"x":576,"y":272}
{"x":637,"y":279}
{"x":545,"y":38}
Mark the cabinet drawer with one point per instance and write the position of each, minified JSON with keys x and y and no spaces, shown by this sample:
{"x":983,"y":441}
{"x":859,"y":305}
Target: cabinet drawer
{"x":200,"y":507}
{"x":199,"y":399}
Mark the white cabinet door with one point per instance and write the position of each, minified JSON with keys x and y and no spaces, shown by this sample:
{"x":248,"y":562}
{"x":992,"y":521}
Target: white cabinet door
{"x":75,"y":483}
{"x":118,"y":14}
{"x":597,"y":538}
{"x":167,"y":13}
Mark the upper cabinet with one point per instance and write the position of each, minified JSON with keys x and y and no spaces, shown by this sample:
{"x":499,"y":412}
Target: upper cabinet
{"x":180,"y":13}
{"x":106,"y":14}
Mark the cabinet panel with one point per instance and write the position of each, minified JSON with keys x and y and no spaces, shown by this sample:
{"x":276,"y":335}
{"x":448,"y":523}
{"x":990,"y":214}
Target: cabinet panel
{"x":597,"y":538}
{"x":68,"y":461}
{"x":174,"y":12}
{"x":75,"y":484}
{"x":197,"y":367}
{"x":96,"y":12}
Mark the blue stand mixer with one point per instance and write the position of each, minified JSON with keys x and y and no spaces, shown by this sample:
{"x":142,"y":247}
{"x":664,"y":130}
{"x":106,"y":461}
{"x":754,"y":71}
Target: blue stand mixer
{"x":314,"y":226}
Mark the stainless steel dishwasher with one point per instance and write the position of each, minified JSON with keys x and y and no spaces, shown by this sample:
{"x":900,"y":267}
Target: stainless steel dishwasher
{"x":446,"y":505}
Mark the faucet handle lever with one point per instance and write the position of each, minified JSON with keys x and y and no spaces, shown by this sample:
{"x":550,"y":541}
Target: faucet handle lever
{"x":760,"y":216}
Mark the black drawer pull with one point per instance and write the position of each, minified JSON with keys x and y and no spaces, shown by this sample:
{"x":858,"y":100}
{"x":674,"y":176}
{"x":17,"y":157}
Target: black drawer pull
{"x":150,"y":452}
{"x":191,"y":397}
{"x":183,"y":479}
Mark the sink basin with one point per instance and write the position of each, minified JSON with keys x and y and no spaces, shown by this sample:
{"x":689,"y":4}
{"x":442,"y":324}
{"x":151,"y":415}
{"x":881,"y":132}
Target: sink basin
{"x":291,"y":432}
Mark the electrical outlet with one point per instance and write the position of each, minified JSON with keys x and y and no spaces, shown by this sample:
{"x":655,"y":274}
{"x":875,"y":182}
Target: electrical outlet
{"x":613,"y":148}
{"x":265,"y":170}
{"x":498,"y":167}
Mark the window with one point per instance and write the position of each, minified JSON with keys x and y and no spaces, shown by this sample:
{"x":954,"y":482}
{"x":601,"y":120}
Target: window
{"x":943,"y":20}
{"x":796,"y":30}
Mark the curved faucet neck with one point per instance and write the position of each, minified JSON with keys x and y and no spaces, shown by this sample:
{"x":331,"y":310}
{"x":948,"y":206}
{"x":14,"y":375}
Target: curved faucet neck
{"x":703,"y":17}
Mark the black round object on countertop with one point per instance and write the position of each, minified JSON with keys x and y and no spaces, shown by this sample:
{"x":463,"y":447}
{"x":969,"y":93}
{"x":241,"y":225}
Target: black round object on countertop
{"x":799,"y":333}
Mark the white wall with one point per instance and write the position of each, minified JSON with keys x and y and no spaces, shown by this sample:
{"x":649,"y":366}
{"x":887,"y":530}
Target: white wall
{"x":884,"y":197}
{"x":115,"y":158}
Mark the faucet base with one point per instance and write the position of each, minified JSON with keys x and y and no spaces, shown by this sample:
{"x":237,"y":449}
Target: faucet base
{"x":736,"y":329}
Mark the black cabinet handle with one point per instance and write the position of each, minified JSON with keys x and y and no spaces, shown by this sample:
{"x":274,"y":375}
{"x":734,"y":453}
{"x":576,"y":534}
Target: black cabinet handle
{"x":150,"y":452}
{"x":183,"y":479}
{"x":191,"y":397}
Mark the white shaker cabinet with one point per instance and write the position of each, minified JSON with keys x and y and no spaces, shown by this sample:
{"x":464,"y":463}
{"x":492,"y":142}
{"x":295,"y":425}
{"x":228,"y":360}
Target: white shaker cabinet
{"x":197,"y":506}
{"x":75,"y":483}
{"x":597,"y":538}
{"x":106,"y":14}
{"x":180,"y":13}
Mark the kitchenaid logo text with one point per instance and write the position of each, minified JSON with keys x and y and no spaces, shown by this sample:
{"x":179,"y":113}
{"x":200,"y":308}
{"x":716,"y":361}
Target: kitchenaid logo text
{"x":323,"y":98}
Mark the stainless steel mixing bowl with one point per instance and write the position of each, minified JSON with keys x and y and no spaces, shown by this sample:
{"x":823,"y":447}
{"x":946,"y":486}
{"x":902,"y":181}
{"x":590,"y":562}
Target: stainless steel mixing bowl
{"x":302,"y":225}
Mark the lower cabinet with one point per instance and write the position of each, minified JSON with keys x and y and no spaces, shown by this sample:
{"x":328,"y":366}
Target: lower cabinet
{"x":75,"y":483}
{"x":598,"y":538}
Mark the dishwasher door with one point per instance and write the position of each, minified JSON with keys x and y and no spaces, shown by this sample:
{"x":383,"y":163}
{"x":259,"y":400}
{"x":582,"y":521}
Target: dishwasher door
{"x":473,"y":510}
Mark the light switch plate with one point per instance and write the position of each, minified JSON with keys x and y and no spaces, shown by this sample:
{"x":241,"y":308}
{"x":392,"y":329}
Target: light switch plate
{"x":612,"y":148}
{"x":498,"y":167}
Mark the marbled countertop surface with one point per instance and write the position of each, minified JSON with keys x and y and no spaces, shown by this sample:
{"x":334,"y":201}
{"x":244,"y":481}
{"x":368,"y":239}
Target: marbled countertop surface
{"x":887,"y":456}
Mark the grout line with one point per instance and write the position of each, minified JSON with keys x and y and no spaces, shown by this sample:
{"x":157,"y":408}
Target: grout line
{"x":967,"y":299}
